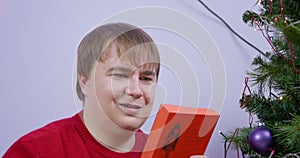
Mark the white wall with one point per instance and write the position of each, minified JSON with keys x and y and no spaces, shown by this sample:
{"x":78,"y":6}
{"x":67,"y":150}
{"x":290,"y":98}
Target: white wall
{"x":38,"y":41}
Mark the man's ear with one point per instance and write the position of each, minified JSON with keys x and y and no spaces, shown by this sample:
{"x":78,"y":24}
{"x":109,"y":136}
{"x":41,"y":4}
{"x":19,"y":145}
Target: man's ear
{"x":83,"y":83}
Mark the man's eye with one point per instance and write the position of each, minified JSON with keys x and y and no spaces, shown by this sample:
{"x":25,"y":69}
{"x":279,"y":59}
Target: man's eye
{"x":147,"y":79}
{"x":119,"y":76}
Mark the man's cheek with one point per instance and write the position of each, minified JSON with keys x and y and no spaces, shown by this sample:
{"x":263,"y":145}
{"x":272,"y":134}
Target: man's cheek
{"x":149,"y":96}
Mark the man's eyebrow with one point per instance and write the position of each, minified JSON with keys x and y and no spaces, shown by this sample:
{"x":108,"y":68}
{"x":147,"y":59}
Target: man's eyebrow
{"x":120,"y":69}
{"x":130,"y":70}
{"x":148,"y":73}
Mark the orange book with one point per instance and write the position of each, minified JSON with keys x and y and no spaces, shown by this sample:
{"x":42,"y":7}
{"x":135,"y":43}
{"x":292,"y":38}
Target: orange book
{"x":180,"y":132}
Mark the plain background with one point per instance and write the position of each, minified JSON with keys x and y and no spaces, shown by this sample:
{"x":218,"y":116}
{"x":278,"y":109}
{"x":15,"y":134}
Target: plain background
{"x":38,"y":42}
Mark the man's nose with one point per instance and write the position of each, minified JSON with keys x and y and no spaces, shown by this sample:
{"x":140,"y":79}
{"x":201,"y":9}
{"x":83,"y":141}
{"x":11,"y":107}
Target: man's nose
{"x":133,"y":88}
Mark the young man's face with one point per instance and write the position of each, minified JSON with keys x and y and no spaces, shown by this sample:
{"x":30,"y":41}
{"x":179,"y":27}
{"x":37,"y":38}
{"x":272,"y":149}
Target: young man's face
{"x":123,"y":92}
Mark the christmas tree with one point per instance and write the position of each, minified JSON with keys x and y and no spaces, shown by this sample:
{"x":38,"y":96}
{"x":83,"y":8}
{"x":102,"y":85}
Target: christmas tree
{"x":273,"y":92}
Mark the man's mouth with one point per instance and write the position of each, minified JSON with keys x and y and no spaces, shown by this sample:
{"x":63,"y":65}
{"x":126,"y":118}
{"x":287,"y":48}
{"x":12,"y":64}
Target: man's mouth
{"x":130,"y":109}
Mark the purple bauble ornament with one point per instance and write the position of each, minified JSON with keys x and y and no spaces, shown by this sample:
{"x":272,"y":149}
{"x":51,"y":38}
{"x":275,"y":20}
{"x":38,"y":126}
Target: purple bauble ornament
{"x":261,"y":140}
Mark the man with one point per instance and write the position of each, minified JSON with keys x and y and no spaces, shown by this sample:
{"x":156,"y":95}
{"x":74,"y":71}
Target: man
{"x":118,"y":67}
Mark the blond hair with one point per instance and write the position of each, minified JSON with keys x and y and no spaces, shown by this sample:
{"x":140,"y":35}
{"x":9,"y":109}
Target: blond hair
{"x":96,"y":45}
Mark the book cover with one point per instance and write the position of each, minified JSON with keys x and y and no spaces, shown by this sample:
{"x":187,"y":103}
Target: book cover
{"x":180,"y":132}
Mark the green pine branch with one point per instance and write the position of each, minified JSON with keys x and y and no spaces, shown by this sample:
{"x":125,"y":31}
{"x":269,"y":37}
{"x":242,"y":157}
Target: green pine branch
{"x":288,"y":134}
{"x":278,"y":104}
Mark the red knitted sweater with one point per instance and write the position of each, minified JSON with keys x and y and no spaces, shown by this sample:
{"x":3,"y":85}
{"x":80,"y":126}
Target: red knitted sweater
{"x":67,"y":138}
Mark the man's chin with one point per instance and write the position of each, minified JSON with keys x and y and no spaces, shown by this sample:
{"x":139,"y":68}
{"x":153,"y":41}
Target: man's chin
{"x":132,"y":124}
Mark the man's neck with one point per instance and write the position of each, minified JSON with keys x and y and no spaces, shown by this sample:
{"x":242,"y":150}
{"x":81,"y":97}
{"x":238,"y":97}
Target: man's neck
{"x":107,"y":133}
